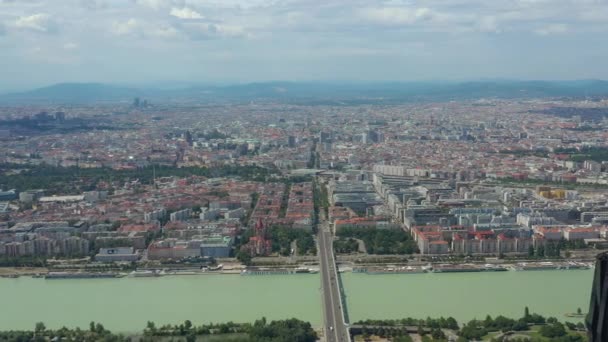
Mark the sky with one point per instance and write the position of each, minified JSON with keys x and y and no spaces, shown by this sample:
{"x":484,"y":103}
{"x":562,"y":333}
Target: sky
{"x":237,"y":41}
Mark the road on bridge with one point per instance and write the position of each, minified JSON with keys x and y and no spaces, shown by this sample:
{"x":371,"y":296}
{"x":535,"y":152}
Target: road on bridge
{"x":335,"y":328}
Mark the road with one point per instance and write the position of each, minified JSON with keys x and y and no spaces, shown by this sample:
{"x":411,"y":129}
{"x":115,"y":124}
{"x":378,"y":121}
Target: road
{"x":335,"y":329}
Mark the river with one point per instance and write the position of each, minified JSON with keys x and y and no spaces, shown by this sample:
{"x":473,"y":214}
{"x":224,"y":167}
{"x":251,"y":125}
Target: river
{"x":126,"y":304}
{"x":466,"y":296}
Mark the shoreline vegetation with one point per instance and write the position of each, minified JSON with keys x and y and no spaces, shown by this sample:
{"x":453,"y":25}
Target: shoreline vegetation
{"x":289,"y":330}
{"x":530,"y":327}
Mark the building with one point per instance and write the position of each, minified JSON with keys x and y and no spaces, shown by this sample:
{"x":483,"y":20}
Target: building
{"x":216,"y":247}
{"x":174,"y":249}
{"x":155,"y":215}
{"x":181,"y":215}
{"x":9,"y":195}
{"x":117,"y":254}
{"x":581,"y":234}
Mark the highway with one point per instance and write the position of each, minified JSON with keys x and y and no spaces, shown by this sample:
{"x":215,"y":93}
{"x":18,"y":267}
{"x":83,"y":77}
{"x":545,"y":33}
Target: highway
{"x":335,"y":328}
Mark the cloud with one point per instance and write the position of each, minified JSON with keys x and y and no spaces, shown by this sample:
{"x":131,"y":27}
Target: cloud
{"x":185,"y":13}
{"x":488,"y":24}
{"x":70,"y":46}
{"x":143,"y":29}
{"x":202,"y":31}
{"x":165,"y":31}
{"x":94,"y":4}
{"x":125,"y":27}
{"x":552,"y":29}
{"x":157,"y":4}
{"x":40,"y":22}
{"x":396,"y":15}
{"x":2,"y":29}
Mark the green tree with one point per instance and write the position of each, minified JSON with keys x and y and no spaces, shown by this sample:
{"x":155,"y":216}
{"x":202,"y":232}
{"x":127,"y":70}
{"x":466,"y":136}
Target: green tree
{"x":540,"y":251}
{"x":40,"y":327}
{"x":244,"y":257}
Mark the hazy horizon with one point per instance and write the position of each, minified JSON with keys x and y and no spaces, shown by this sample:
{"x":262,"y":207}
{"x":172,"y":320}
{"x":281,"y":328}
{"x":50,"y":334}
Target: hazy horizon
{"x":176,"y":84}
{"x":138,"y":42}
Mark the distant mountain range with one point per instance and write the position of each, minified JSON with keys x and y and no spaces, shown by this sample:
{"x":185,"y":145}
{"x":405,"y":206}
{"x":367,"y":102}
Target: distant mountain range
{"x":311,"y":92}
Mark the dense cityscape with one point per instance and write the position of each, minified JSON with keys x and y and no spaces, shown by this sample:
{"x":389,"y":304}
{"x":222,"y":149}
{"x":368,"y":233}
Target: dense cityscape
{"x":303,"y":171}
{"x":144,"y":190}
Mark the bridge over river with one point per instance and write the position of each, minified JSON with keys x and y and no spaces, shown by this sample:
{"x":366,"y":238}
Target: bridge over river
{"x":334,"y":306}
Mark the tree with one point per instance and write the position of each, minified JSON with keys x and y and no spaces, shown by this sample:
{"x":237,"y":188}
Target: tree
{"x":188,"y":324}
{"x":421,"y":331}
{"x":437,"y":334}
{"x":40,"y":327}
{"x":244,"y":257}
{"x":553,"y":330}
{"x":99,"y":328}
{"x":151,"y":327}
{"x":540,"y":251}
{"x":531,"y":251}
{"x":526,"y":312}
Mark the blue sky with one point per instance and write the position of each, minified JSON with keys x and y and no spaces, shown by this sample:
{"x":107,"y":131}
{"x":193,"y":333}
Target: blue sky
{"x":143,"y":41}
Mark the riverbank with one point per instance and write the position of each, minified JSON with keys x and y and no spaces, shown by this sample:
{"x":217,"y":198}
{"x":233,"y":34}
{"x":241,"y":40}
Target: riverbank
{"x":400,"y":268}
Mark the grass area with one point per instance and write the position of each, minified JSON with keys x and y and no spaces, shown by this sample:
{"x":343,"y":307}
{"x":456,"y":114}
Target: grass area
{"x":533,"y":334}
{"x":199,"y":338}
{"x":222,"y":338}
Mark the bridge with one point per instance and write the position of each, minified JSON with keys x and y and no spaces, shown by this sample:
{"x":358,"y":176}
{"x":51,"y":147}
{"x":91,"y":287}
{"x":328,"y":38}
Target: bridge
{"x":336,"y":328}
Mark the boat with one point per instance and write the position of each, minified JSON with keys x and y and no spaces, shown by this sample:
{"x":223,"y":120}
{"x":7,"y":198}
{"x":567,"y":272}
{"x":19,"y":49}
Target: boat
{"x":80,"y":275}
{"x":10,"y":276}
{"x":572,"y":265}
{"x":575,"y":315}
{"x":300,"y":270}
{"x":216,"y":268}
{"x":456,"y":268}
{"x":539,"y":266}
{"x":494,"y":268}
{"x":266,"y":271}
{"x":395,"y":270}
{"x":144,"y":273}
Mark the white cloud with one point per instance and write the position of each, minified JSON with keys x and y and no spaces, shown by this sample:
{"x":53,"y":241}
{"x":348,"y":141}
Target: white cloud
{"x":126,"y":27}
{"x":185,"y":13}
{"x":165,"y":31}
{"x":70,"y":46}
{"x":396,"y":15}
{"x":155,"y":4}
{"x":214,"y":31}
{"x":40,"y":22}
{"x":552,"y":29}
{"x":488,"y":24}
{"x":94,"y":4}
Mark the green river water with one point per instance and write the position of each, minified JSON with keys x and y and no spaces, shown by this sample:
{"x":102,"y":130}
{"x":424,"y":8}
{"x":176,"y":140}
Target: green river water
{"x":126,"y":304}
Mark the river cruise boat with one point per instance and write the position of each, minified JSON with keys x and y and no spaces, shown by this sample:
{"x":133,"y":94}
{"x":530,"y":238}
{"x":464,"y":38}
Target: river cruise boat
{"x":395,"y":270}
{"x":536,"y":266}
{"x":449,"y":268}
{"x":80,"y":275}
{"x":145,"y":273}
